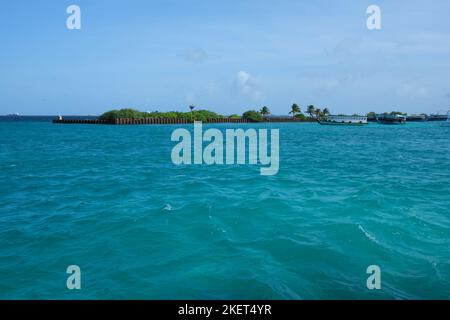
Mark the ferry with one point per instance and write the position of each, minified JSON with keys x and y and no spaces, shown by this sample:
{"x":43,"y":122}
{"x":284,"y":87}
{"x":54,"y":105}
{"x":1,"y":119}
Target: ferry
{"x":388,"y":118}
{"x":343,"y":120}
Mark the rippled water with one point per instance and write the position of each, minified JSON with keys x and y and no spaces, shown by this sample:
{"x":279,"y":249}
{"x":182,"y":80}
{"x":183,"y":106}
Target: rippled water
{"x":108,"y":198}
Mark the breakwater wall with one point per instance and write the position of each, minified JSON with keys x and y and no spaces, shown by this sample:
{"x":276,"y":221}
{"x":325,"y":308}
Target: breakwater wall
{"x":130,"y":121}
{"x":82,"y":121}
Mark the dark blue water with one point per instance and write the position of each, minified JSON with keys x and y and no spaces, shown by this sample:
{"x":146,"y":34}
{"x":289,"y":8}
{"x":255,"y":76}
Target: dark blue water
{"x":109,"y":199}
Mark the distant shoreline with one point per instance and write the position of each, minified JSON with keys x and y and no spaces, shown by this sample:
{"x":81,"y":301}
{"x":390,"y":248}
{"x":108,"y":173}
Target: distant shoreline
{"x":39,"y":118}
{"x":149,"y":121}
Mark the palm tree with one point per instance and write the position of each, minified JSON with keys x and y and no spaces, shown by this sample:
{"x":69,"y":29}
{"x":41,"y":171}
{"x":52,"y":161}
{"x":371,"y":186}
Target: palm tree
{"x":311,"y":110}
{"x":192,"y":114}
{"x":295,"y":109}
{"x":326,"y":112}
{"x":318,"y":113}
{"x":265,"y":111}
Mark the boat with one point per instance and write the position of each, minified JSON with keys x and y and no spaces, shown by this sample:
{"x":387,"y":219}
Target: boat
{"x":417,"y":118}
{"x":343,"y":120}
{"x":447,"y":122}
{"x":389,"y":118}
{"x":437,"y":117}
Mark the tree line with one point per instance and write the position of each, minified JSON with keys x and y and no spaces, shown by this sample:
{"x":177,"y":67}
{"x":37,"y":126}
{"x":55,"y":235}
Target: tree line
{"x":203,"y":115}
{"x":295,"y":111}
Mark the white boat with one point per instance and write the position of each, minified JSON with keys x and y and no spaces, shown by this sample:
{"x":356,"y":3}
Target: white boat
{"x":344,"y":120}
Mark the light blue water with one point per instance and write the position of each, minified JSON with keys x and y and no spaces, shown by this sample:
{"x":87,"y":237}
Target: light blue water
{"x":108,"y":198}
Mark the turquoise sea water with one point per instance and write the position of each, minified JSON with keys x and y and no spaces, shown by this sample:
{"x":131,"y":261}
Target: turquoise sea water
{"x":109,"y":199}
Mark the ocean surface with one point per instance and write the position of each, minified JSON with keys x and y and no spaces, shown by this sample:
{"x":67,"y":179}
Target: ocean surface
{"x":109,"y":199}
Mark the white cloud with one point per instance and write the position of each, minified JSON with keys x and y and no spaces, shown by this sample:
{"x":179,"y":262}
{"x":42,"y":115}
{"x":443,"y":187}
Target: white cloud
{"x":247,"y":86}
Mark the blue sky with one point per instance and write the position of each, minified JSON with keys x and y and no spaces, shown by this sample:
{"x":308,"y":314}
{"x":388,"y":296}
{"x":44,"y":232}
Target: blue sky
{"x":227,"y":56}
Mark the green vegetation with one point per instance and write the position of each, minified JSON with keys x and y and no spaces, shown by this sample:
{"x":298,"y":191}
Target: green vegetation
{"x":253,"y":116}
{"x":265,"y":111}
{"x":394,"y":113}
{"x":295,"y":109}
{"x":204,"y":115}
{"x":191,"y":107}
{"x":197,"y":115}
{"x":311,"y":110}
{"x":300,"y":116}
{"x":318,"y":113}
{"x":122,"y":113}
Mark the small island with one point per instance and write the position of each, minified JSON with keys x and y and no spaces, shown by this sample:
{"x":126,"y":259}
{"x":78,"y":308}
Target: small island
{"x":133,"y":116}
{"x":129,"y":116}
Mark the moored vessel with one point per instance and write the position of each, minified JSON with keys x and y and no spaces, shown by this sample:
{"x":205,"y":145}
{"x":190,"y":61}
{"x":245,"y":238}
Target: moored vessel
{"x":437,"y":117}
{"x":447,"y":123}
{"x":417,"y":117}
{"x":343,"y":120}
{"x":389,"y":118}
